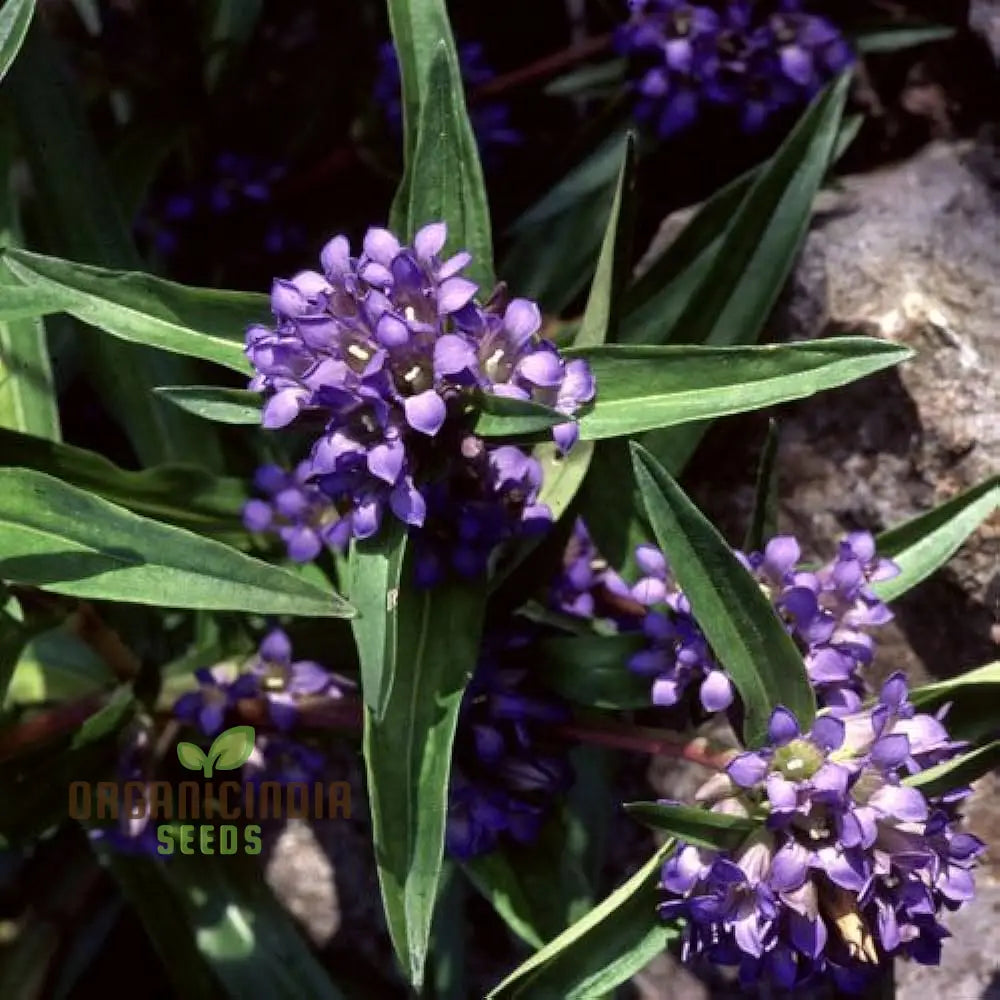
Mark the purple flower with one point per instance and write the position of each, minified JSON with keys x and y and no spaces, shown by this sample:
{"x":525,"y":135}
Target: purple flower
{"x":490,"y":119}
{"x":295,"y":510}
{"x":851,"y":867}
{"x":218,"y":691}
{"x":687,"y":56}
{"x":283,"y":681}
{"x":385,"y":354}
{"x":506,"y":775}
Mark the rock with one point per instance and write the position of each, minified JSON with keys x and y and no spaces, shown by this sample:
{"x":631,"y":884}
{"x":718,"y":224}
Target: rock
{"x":909,"y":253}
{"x":984,"y":19}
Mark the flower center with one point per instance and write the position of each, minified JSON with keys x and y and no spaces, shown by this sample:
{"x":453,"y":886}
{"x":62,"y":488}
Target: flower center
{"x":798,"y":760}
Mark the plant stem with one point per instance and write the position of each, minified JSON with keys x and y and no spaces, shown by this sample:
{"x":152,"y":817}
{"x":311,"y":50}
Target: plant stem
{"x":641,"y":739}
{"x":542,"y":68}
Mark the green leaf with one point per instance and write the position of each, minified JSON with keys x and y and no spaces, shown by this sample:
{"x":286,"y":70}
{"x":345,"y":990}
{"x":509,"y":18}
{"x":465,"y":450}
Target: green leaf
{"x":659,"y":296}
{"x":743,"y":629}
{"x":15,"y":16}
{"x":958,"y":772}
{"x":182,"y":494}
{"x":442,"y":178}
{"x":446,"y":180}
{"x":108,"y":720}
{"x":600,"y":318}
{"x":18,"y":301}
{"x":894,"y":38}
{"x":764,"y":518}
{"x":375,"y":571}
{"x":191,"y":756}
{"x":594,"y":80}
{"x":59,"y":538}
{"x":213,"y":402}
{"x":55,"y":665}
{"x":644,"y":388}
{"x":27,"y":393}
{"x":927,"y":542}
{"x":596,"y":173}
{"x":13,"y":636}
{"x":198,"y":322}
{"x":538,"y":889}
{"x":231,"y":749}
{"x":497,"y":880}
{"x":214,"y":921}
{"x":737,"y":293}
{"x":601,"y":950}
{"x":696,"y":826}
{"x":504,"y":416}
{"x":971,"y":698}
{"x":592,"y":670}
{"x":79,"y":212}
{"x":408,"y":757}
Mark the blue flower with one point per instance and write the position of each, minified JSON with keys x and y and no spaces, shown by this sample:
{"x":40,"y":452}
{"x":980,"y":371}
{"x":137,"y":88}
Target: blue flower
{"x":753,"y":58}
{"x":386,"y":354}
{"x":851,"y":866}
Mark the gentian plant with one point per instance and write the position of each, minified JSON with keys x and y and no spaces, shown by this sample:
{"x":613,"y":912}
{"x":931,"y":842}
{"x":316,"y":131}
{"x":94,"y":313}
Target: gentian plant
{"x":392,"y":503}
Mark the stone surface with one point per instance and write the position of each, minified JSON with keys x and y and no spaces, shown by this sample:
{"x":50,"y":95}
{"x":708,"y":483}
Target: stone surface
{"x":910,"y":253}
{"x":984,"y":18}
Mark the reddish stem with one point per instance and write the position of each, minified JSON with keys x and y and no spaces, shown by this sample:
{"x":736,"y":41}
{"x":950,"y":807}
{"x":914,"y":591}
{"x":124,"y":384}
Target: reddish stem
{"x":542,"y":68}
{"x":649,"y":741}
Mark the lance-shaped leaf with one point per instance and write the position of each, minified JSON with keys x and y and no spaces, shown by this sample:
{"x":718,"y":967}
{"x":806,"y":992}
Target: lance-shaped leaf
{"x":27,"y":393}
{"x":896,"y":37}
{"x":198,"y":322}
{"x":592,"y":670}
{"x":15,"y":16}
{"x":958,"y":772}
{"x":446,"y":180}
{"x":927,"y":542}
{"x":442,"y":176}
{"x":213,"y":402}
{"x":538,"y":889}
{"x":60,"y":538}
{"x":218,"y":928}
{"x":600,"y":318}
{"x":696,"y":826}
{"x":603,"y":949}
{"x":18,"y":301}
{"x":738,"y":291}
{"x":79,"y":213}
{"x":645,"y":388}
{"x":375,"y":571}
{"x":971,"y":700}
{"x":408,"y":757}
{"x":745,"y":633}
{"x":764,"y":516}
{"x":181,"y":494}
{"x":507,"y":417}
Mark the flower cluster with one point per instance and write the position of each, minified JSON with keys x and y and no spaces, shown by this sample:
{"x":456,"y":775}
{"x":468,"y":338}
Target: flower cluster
{"x":490,"y":119}
{"x":271,"y":674}
{"x":295,"y":510}
{"x":505,"y":776}
{"x":387,"y":353}
{"x":851,"y":866}
{"x":753,"y":57}
{"x":826,"y":611}
{"x":235,"y":181}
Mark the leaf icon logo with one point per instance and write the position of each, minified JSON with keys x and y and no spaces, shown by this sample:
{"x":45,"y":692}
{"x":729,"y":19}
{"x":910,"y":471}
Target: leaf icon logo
{"x":229,"y":750}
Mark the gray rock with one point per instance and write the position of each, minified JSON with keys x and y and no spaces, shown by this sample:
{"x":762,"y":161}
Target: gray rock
{"x":984,"y":19}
